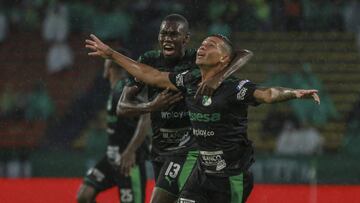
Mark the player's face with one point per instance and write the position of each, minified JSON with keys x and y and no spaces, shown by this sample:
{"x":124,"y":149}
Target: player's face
{"x":209,"y":52}
{"x":172,"y":39}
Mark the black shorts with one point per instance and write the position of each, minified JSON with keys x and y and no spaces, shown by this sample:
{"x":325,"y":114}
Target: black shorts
{"x":174,"y":172}
{"x":203,"y":188}
{"x":104,"y":176}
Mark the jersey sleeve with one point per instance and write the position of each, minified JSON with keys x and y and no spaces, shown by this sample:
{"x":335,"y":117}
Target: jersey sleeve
{"x":244,"y":93}
{"x":180,"y":79}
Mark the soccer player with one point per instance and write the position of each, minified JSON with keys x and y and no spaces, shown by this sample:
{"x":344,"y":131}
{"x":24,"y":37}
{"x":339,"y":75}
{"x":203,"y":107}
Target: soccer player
{"x":219,"y":121}
{"x":173,"y":152}
{"x":107,"y":172}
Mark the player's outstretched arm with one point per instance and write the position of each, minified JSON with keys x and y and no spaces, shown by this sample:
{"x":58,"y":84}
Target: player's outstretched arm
{"x":143,"y":72}
{"x":127,"y":106}
{"x":280,"y":94}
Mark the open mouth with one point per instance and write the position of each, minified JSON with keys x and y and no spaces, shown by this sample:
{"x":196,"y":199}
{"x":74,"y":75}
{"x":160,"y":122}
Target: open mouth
{"x":168,"y":50}
{"x":200,"y":54}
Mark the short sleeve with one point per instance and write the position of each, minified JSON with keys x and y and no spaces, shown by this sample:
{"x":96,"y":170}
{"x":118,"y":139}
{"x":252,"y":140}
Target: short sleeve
{"x":244,"y":93}
{"x":180,"y":79}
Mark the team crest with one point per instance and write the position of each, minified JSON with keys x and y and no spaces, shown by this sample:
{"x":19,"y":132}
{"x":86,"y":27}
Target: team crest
{"x":206,"y":101}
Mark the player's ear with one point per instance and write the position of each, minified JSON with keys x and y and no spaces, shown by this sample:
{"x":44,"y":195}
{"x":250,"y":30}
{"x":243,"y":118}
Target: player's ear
{"x":225,"y":58}
{"x":187,"y":38}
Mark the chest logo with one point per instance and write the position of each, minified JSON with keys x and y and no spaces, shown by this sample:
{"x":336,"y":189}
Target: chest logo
{"x":206,"y":101}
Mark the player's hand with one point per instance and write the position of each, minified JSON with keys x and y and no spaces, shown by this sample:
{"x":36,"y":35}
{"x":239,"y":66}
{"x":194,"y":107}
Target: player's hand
{"x":98,"y":48}
{"x":127,"y":162}
{"x":165,"y":99}
{"x":306,"y":94}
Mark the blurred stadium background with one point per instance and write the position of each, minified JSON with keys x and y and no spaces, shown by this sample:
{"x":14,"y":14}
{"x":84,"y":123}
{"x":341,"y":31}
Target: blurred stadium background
{"x":52,"y":95}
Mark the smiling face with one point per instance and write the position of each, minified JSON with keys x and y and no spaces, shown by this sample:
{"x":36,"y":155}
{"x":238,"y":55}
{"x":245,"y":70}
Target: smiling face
{"x":173,"y":37}
{"x":212,"y":52}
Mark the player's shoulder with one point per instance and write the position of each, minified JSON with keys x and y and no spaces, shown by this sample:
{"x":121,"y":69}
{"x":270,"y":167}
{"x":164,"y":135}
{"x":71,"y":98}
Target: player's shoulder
{"x":238,"y":83}
{"x":191,"y":73}
{"x":190,"y":53}
{"x":149,"y":55}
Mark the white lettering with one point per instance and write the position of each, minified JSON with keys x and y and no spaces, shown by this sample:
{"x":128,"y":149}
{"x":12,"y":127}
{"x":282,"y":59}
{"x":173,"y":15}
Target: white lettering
{"x":172,"y":115}
{"x":241,"y":94}
{"x":203,"y":133}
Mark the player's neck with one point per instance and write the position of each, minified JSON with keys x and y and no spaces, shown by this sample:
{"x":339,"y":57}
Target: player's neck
{"x":209,"y":72}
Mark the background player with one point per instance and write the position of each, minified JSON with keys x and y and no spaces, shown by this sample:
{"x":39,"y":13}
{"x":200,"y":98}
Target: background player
{"x":106,"y":173}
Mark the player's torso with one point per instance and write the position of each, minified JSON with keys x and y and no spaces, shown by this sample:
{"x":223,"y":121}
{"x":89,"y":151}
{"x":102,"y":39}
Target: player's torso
{"x":119,"y":129}
{"x":219,"y":126}
{"x":171,"y":126}
{"x":218,"y":123}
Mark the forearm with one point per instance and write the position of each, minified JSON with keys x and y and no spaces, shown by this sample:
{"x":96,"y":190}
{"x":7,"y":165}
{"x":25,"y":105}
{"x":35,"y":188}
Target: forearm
{"x":131,"y":109}
{"x":143,"y":72}
{"x":280,"y":94}
{"x":140,"y":133}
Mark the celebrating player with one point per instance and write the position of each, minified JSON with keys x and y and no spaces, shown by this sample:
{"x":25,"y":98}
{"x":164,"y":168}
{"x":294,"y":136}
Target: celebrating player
{"x":173,"y":152}
{"x":219,"y":121}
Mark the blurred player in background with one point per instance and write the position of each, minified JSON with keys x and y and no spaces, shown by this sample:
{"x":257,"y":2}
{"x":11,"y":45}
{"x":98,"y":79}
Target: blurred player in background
{"x":173,"y":152}
{"x":219,"y":120}
{"x":108,"y":172}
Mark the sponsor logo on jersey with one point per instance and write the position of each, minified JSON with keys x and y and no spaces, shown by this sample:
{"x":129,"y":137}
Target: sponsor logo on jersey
{"x":96,"y":173}
{"x":241,"y":84}
{"x":205,"y":117}
{"x":203,"y":133}
{"x":213,"y":158}
{"x":241,"y":94}
{"x":206,"y":101}
{"x":180,"y":79}
{"x":172,"y":115}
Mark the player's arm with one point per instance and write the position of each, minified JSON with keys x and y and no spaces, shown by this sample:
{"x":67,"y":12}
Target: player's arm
{"x":128,"y":156}
{"x":280,"y":94}
{"x":143,"y":72}
{"x":127,"y":106}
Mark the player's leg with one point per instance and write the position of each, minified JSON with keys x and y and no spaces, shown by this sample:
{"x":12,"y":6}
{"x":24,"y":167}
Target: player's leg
{"x":157,"y":165}
{"x":193,"y":191}
{"x":172,"y":177}
{"x":202,"y":187}
{"x":248,"y":185}
{"x":97,"y":179}
{"x":132,"y":188}
{"x":86,"y":194}
{"x":232,"y":189}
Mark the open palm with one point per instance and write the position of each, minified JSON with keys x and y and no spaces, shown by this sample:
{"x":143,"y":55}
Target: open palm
{"x":97,"y":47}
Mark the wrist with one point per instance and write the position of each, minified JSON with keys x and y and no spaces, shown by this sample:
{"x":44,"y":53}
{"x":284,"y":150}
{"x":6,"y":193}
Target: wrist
{"x":110,"y":53}
{"x":149,"y":107}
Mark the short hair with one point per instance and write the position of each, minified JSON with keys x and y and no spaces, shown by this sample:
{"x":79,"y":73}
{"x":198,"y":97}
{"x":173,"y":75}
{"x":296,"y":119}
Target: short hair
{"x":228,"y":45}
{"x":178,"y":18}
